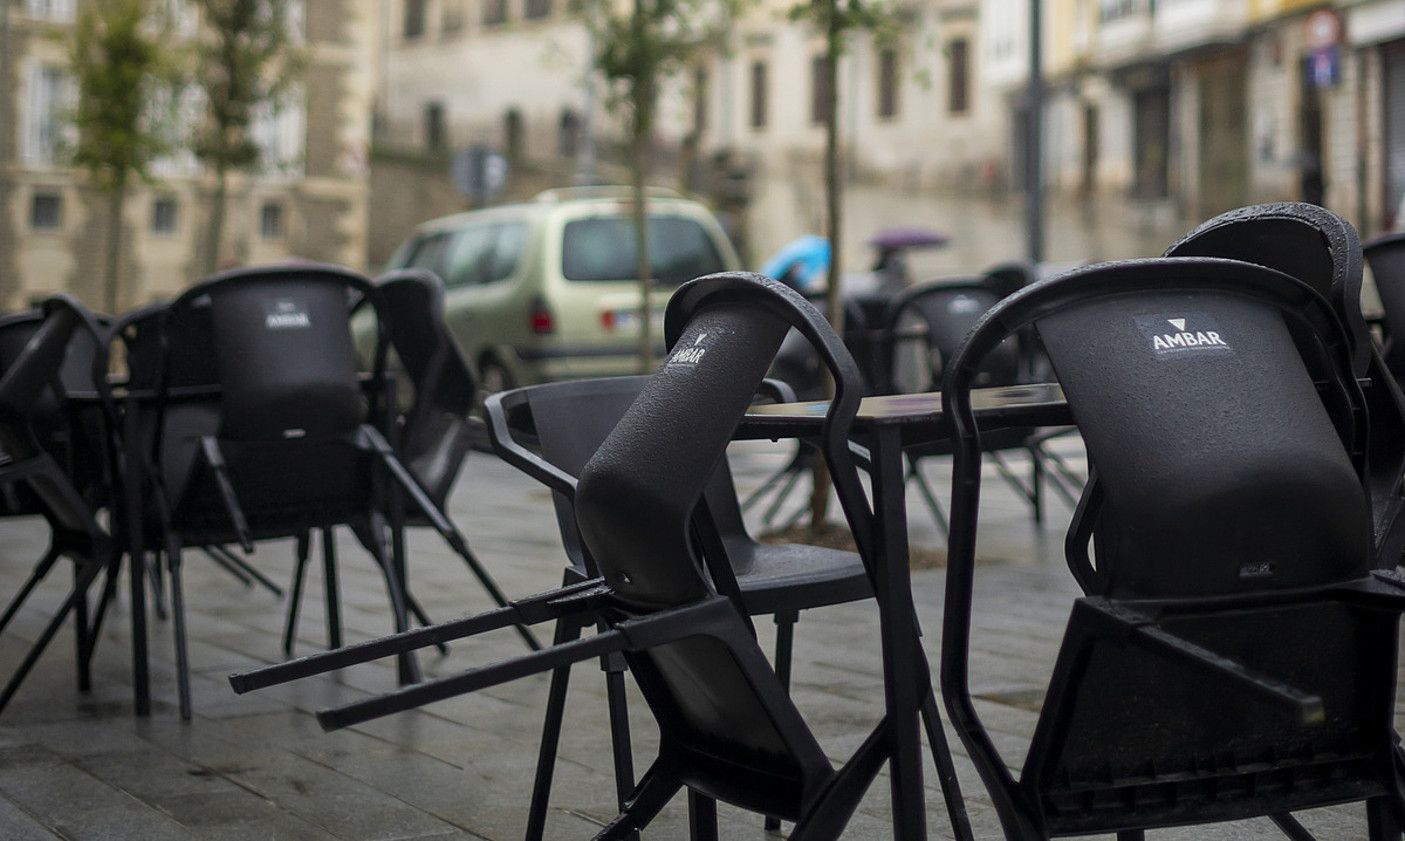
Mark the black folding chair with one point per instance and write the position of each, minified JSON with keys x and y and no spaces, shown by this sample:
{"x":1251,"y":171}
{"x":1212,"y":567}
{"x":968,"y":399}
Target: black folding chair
{"x":569,"y":422}
{"x":1322,"y":250}
{"x":1236,"y":656}
{"x":433,"y":438}
{"x":292,"y":444}
{"x":32,"y":395}
{"x":1386,"y":257}
{"x":923,"y":328}
{"x":728,"y":729}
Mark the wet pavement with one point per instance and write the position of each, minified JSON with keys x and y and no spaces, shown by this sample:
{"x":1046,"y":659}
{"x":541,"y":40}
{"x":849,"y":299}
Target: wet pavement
{"x":257,"y":767}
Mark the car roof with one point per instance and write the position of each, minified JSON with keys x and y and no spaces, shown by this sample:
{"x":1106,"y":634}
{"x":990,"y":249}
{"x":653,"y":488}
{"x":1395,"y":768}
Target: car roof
{"x":570,"y":201}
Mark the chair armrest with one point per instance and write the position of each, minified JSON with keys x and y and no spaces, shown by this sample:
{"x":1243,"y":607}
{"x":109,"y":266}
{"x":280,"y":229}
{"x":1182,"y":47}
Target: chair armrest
{"x":511,"y":451}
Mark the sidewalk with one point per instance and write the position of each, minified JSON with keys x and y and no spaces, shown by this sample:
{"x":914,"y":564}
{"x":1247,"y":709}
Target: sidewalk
{"x":257,"y":768}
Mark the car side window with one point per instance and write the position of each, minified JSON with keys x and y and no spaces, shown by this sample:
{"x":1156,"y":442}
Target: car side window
{"x":425,"y":253}
{"x":484,"y":253}
{"x":507,"y":250}
{"x":464,"y":256}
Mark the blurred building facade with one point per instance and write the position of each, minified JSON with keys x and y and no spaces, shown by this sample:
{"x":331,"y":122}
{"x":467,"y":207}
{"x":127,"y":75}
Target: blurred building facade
{"x":308,"y":200}
{"x":1188,"y":107}
{"x":1197,"y":106}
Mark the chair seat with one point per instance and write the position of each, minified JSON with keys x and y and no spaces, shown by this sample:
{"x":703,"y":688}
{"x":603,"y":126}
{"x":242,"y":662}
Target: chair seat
{"x":796,"y":577}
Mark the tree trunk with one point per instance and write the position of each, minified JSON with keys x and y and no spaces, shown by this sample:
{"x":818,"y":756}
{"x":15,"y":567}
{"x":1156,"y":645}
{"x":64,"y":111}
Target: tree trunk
{"x":113,"y":264}
{"x":112,"y":270}
{"x":215,"y":230}
{"x":642,"y":128}
{"x":834,"y":301}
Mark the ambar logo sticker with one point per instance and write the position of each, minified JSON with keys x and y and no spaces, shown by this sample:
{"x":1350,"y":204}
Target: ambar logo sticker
{"x":1188,"y":334}
{"x":287,"y":315}
{"x":690,"y":355}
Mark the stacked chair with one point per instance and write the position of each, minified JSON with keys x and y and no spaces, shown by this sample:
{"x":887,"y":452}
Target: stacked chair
{"x":728,"y":729}
{"x":432,"y":439}
{"x":287,"y":439}
{"x":934,"y":318}
{"x":1235,"y":656}
{"x":569,"y":422}
{"x":35,"y":480}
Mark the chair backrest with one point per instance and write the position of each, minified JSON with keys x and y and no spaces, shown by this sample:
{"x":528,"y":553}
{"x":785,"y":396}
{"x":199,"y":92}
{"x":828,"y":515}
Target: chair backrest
{"x":636,"y":497}
{"x":1301,"y":240}
{"x":1322,"y":250}
{"x":288,"y":401}
{"x":1386,"y":256}
{"x":282,"y":346}
{"x":571,"y":420}
{"x":1237,"y":493}
{"x":36,"y":370}
{"x":434,"y":440}
{"x":946,"y":310}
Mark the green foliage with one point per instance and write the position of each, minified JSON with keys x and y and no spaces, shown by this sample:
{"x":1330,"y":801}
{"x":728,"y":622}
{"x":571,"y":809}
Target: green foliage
{"x":880,"y":17}
{"x":117,"y":62}
{"x":640,"y":44}
{"x":248,"y":60}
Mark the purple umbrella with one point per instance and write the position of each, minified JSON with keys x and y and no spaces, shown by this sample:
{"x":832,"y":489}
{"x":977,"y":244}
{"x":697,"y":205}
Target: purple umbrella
{"x":907,"y":236}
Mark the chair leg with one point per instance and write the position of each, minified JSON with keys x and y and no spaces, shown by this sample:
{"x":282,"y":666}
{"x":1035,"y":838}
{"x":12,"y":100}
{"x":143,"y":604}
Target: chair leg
{"x":156,"y":573}
{"x":785,"y":642}
{"x":80,"y":588}
{"x":490,"y":585}
{"x":781,"y":496}
{"x":246,"y":570}
{"x":551,"y":736}
{"x":331,"y":591}
{"x":41,"y":570}
{"x":930,"y":498}
{"x":1382,"y":823}
{"x":223,"y":563}
{"x":290,"y":625}
{"x":109,"y":594}
{"x":80,"y":629}
{"x":408,"y":667}
{"x":1036,"y":485}
{"x":702,"y":817}
{"x":645,"y":802}
{"x":1291,"y":828}
{"x":620,"y":743}
{"x":946,"y":768}
{"x":173,"y":561}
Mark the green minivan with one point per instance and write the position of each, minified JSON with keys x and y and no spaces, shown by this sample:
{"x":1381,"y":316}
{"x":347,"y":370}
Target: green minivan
{"x":547,"y":289}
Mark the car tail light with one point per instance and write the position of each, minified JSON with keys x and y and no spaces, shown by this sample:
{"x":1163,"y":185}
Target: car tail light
{"x":607,"y":319}
{"x":542,"y":320}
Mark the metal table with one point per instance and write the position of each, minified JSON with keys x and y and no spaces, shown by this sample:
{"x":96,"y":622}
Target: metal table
{"x":888,"y":425}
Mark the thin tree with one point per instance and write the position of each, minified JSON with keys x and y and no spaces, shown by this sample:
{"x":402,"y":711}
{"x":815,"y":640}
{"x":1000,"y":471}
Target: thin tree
{"x":836,"y":19}
{"x":247,"y":62}
{"x":636,"y":49}
{"x":116,"y":56}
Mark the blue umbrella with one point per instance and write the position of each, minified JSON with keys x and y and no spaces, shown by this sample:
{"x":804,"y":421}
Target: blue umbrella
{"x":800,"y":262}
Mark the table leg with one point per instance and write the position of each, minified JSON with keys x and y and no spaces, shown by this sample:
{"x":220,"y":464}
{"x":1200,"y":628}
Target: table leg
{"x":901,"y":649}
{"x":136,"y":568}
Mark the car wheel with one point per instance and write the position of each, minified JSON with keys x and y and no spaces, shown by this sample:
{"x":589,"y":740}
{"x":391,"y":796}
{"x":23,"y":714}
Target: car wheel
{"x":493,"y":377}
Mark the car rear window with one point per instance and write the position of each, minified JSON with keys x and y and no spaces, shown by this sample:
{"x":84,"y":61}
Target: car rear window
{"x":605,"y":248}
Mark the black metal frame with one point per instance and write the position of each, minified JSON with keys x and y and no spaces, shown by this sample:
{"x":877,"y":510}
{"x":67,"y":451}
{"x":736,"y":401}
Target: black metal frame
{"x":1139,"y":621}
